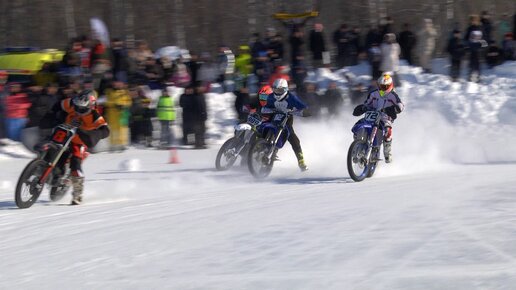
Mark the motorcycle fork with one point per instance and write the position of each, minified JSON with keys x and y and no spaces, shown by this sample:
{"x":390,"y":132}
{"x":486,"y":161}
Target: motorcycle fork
{"x":370,"y":143}
{"x":244,"y":137}
{"x":51,"y":166}
{"x":276,"y":140}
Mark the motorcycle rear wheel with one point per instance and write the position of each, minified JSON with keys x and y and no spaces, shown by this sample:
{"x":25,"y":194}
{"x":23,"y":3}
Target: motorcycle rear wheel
{"x":59,"y":191}
{"x":358,"y":167}
{"x":28,"y":188}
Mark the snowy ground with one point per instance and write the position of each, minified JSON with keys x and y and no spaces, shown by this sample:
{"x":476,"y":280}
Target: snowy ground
{"x":441,"y":216}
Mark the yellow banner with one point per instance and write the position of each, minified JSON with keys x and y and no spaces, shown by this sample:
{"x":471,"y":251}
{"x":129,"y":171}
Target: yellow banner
{"x":297,"y":15}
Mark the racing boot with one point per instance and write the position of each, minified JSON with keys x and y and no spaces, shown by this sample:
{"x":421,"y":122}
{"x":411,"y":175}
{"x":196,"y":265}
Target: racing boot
{"x":301,"y":162}
{"x":77,"y":184}
{"x":387,"y":151}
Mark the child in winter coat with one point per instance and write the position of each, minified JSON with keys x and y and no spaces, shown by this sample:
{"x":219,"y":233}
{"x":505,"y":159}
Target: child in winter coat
{"x":166,"y":112}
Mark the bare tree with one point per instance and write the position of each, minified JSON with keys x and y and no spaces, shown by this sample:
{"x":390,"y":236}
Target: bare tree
{"x":129,"y":24}
{"x":70,"y":19}
{"x":179,"y":19}
{"x":251,"y":8}
{"x":4,"y":14}
{"x":203,"y":24}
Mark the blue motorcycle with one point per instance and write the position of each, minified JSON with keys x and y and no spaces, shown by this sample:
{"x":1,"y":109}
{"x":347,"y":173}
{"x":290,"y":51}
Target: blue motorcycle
{"x":364,"y":152}
{"x":262,"y":153}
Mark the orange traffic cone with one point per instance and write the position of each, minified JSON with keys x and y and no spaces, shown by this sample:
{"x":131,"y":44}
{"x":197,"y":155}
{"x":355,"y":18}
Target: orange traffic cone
{"x":174,"y":158}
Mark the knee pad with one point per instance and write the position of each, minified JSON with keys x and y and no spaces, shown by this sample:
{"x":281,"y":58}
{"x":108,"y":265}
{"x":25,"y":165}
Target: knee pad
{"x":388,"y":134}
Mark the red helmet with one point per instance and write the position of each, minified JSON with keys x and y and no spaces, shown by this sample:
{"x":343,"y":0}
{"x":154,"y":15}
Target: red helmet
{"x":263,"y":94}
{"x":265,"y":91}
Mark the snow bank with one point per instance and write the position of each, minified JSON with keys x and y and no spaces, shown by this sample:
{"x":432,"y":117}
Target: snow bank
{"x":444,"y":122}
{"x":12,"y":149}
{"x":221,"y":117}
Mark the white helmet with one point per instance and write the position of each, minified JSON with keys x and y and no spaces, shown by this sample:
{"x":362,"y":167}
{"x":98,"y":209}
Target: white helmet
{"x":280,"y":89}
{"x":385,"y":83}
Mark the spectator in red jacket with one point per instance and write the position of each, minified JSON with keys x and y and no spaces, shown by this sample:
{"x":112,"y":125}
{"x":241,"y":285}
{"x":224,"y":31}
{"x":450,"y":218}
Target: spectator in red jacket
{"x":16,"y":110}
{"x":3,"y":94}
{"x":280,"y":73}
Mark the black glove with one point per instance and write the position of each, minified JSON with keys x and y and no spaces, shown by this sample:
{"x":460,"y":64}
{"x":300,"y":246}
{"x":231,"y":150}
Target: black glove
{"x":391,"y":111}
{"x":359,"y":110}
{"x":397,"y":109}
{"x":91,"y":138}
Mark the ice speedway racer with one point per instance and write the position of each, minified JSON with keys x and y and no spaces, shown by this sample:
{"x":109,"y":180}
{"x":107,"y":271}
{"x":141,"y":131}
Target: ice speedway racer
{"x":42,"y":172}
{"x":374,"y":130}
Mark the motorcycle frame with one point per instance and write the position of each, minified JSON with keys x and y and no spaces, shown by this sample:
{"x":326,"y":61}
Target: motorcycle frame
{"x":279,"y":132}
{"x":372,"y":136}
{"x":62,"y":148}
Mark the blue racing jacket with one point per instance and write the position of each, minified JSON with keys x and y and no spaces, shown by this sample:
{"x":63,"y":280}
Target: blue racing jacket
{"x":290,"y":103}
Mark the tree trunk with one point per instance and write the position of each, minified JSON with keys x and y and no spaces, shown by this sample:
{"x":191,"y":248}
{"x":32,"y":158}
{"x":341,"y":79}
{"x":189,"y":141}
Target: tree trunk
{"x":251,"y":11}
{"x":129,"y":25}
{"x":180,"y":27}
{"x":70,"y":19}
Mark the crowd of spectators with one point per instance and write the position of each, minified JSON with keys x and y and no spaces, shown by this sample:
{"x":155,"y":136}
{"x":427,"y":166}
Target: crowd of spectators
{"x":126,"y":79}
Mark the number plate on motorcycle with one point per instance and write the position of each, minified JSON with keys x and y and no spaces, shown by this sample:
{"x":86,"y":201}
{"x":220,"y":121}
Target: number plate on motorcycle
{"x":60,"y":136}
{"x":253,"y":120}
{"x":371,"y":116}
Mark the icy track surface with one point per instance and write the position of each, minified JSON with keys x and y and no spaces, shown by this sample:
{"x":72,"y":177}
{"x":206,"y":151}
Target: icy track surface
{"x":185,"y":226}
{"x":442,"y":216}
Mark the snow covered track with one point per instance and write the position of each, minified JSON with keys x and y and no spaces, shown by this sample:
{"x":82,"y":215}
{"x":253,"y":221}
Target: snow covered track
{"x":442,"y":216}
{"x":187,"y":227}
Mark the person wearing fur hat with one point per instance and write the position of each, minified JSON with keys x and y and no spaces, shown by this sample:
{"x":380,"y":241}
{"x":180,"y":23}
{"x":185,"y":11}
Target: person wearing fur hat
{"x":475,"y":40}
{"x":426,"y":41}
{"x":390,"y":56}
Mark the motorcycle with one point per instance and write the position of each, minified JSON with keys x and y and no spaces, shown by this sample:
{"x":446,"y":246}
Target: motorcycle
{"x":364,"y":151}
{"x":274,"y":135}
{"x":42,"y":171}
{"x":237,"y":145}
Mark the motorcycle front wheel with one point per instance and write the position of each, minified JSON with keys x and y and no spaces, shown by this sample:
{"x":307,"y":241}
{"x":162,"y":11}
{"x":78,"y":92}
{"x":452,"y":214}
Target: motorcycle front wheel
{"x":358,"y":167}
{"x":373,"y":164}
{"x":227,"y":154}
{"x":257,"y":161}
{"x":28,"y":187}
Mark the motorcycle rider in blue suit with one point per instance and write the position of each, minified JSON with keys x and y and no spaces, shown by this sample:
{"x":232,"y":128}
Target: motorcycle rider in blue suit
{"x":281,"y":100}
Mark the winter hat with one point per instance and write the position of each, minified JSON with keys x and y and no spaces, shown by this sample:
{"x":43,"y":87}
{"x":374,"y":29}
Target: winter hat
{"x":476,"y":34}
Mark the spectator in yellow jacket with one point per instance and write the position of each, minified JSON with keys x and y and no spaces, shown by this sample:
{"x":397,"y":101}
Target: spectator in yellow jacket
{"x":118,"y":103}
{"x":243,"y":61}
